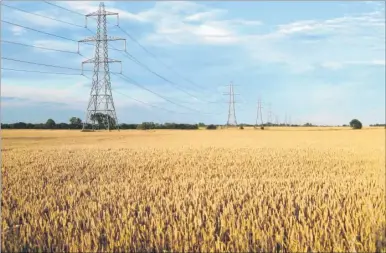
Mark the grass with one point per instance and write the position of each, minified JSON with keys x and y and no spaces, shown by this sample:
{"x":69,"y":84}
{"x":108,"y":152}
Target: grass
{"x":224,"y":190}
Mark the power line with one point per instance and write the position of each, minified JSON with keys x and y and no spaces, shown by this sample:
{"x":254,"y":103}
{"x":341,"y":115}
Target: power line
{"x":47,"y":2}
{"x":49,"y":65}
{"x":41,"y":72}
{"x":39,"y":15}
{"x":145,"y":103}
{"x":118,"y":74}
{"x":123,"y":94}
{"x":154,"y":93}
{"x":44,"y":48}
{"x":142,"y":102}
{"x":157,"y":59}
{"x":58,"y":36}
{"x":135,"y":60}
{"x":17,"y":43}
{"x":51,"y":34}
{"x":40,"y":64}
{"x":38,"y":31}
{"x":145,"y":49}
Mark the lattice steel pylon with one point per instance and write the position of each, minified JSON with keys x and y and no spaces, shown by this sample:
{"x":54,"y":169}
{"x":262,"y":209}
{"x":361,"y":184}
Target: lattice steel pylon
{"x":101,"y":108}
{"x":259,"y":112}
{"x":232,"y":121}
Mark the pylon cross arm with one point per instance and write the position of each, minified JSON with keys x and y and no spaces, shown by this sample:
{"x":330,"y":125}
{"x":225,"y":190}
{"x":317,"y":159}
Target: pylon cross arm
{"x":89,"y":39}
{"x":107,"y":60}
{"x":103,"y":12}
{"x":104,"y":61}
{"x":109,"y":38}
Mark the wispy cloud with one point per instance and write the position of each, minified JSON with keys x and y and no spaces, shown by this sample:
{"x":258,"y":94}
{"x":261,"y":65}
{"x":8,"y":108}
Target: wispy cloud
{"x":191,"y":23}
{"x":334,"y":42}
{"x":290,"y":44}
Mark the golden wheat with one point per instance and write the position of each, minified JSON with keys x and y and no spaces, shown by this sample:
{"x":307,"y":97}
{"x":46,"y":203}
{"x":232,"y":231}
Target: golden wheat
{"x":202,"y":191}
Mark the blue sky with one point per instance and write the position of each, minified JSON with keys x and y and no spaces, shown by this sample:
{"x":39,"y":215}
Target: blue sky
{"x":319,"y":62}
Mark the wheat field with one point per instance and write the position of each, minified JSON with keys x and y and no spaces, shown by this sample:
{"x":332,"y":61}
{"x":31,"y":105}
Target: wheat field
{"x":194,"y":191}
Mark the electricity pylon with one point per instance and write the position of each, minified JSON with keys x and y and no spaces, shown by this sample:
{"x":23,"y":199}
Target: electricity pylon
{"x":259,"y":111}
{"x":232,"y":121}
{"x":101,"y":108}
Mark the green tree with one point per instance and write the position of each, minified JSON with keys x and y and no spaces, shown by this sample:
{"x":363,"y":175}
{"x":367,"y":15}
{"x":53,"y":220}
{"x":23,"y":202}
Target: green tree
{"x":103,"y":120}
{"x":355,"y":124}
{"x":50,"y":124}
{"x":76,"y":122}
{"x":201,"y":124}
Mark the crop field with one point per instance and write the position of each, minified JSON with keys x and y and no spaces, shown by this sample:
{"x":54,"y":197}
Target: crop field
{"x":194,"y":191}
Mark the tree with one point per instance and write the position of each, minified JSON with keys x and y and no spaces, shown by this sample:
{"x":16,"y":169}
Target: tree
{"x":20,"y":125}
{"x":50,"y":124}
{"x":201,"y":124}
{"x":103,"y":120}
{"x":355,"y":124}
{"x":211,"y":127}
{"x":63,"y":126}
{"x":75,"y":122}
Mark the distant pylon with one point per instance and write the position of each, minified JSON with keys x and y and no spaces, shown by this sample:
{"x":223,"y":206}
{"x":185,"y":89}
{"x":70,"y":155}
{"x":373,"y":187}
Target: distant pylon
{"x":101,"y":108}
{"x":232,"y":121}
{"x":259,"y":112}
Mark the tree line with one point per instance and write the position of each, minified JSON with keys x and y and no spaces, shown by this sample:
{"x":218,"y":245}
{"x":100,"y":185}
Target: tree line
{"x":103,"y":120}
{"x":76,"y":123}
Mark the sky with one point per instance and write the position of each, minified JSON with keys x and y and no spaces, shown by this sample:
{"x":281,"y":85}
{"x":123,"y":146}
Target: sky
{"x":318,"y":62}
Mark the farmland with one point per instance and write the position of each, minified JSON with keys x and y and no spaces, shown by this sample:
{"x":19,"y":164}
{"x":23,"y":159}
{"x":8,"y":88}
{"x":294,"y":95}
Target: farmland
{"x":209,"y":191}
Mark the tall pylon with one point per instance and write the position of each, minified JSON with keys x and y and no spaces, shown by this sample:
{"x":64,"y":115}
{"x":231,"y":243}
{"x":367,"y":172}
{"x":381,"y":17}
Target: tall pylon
{"x":101,"y":108}
{"x":232,"y":121}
